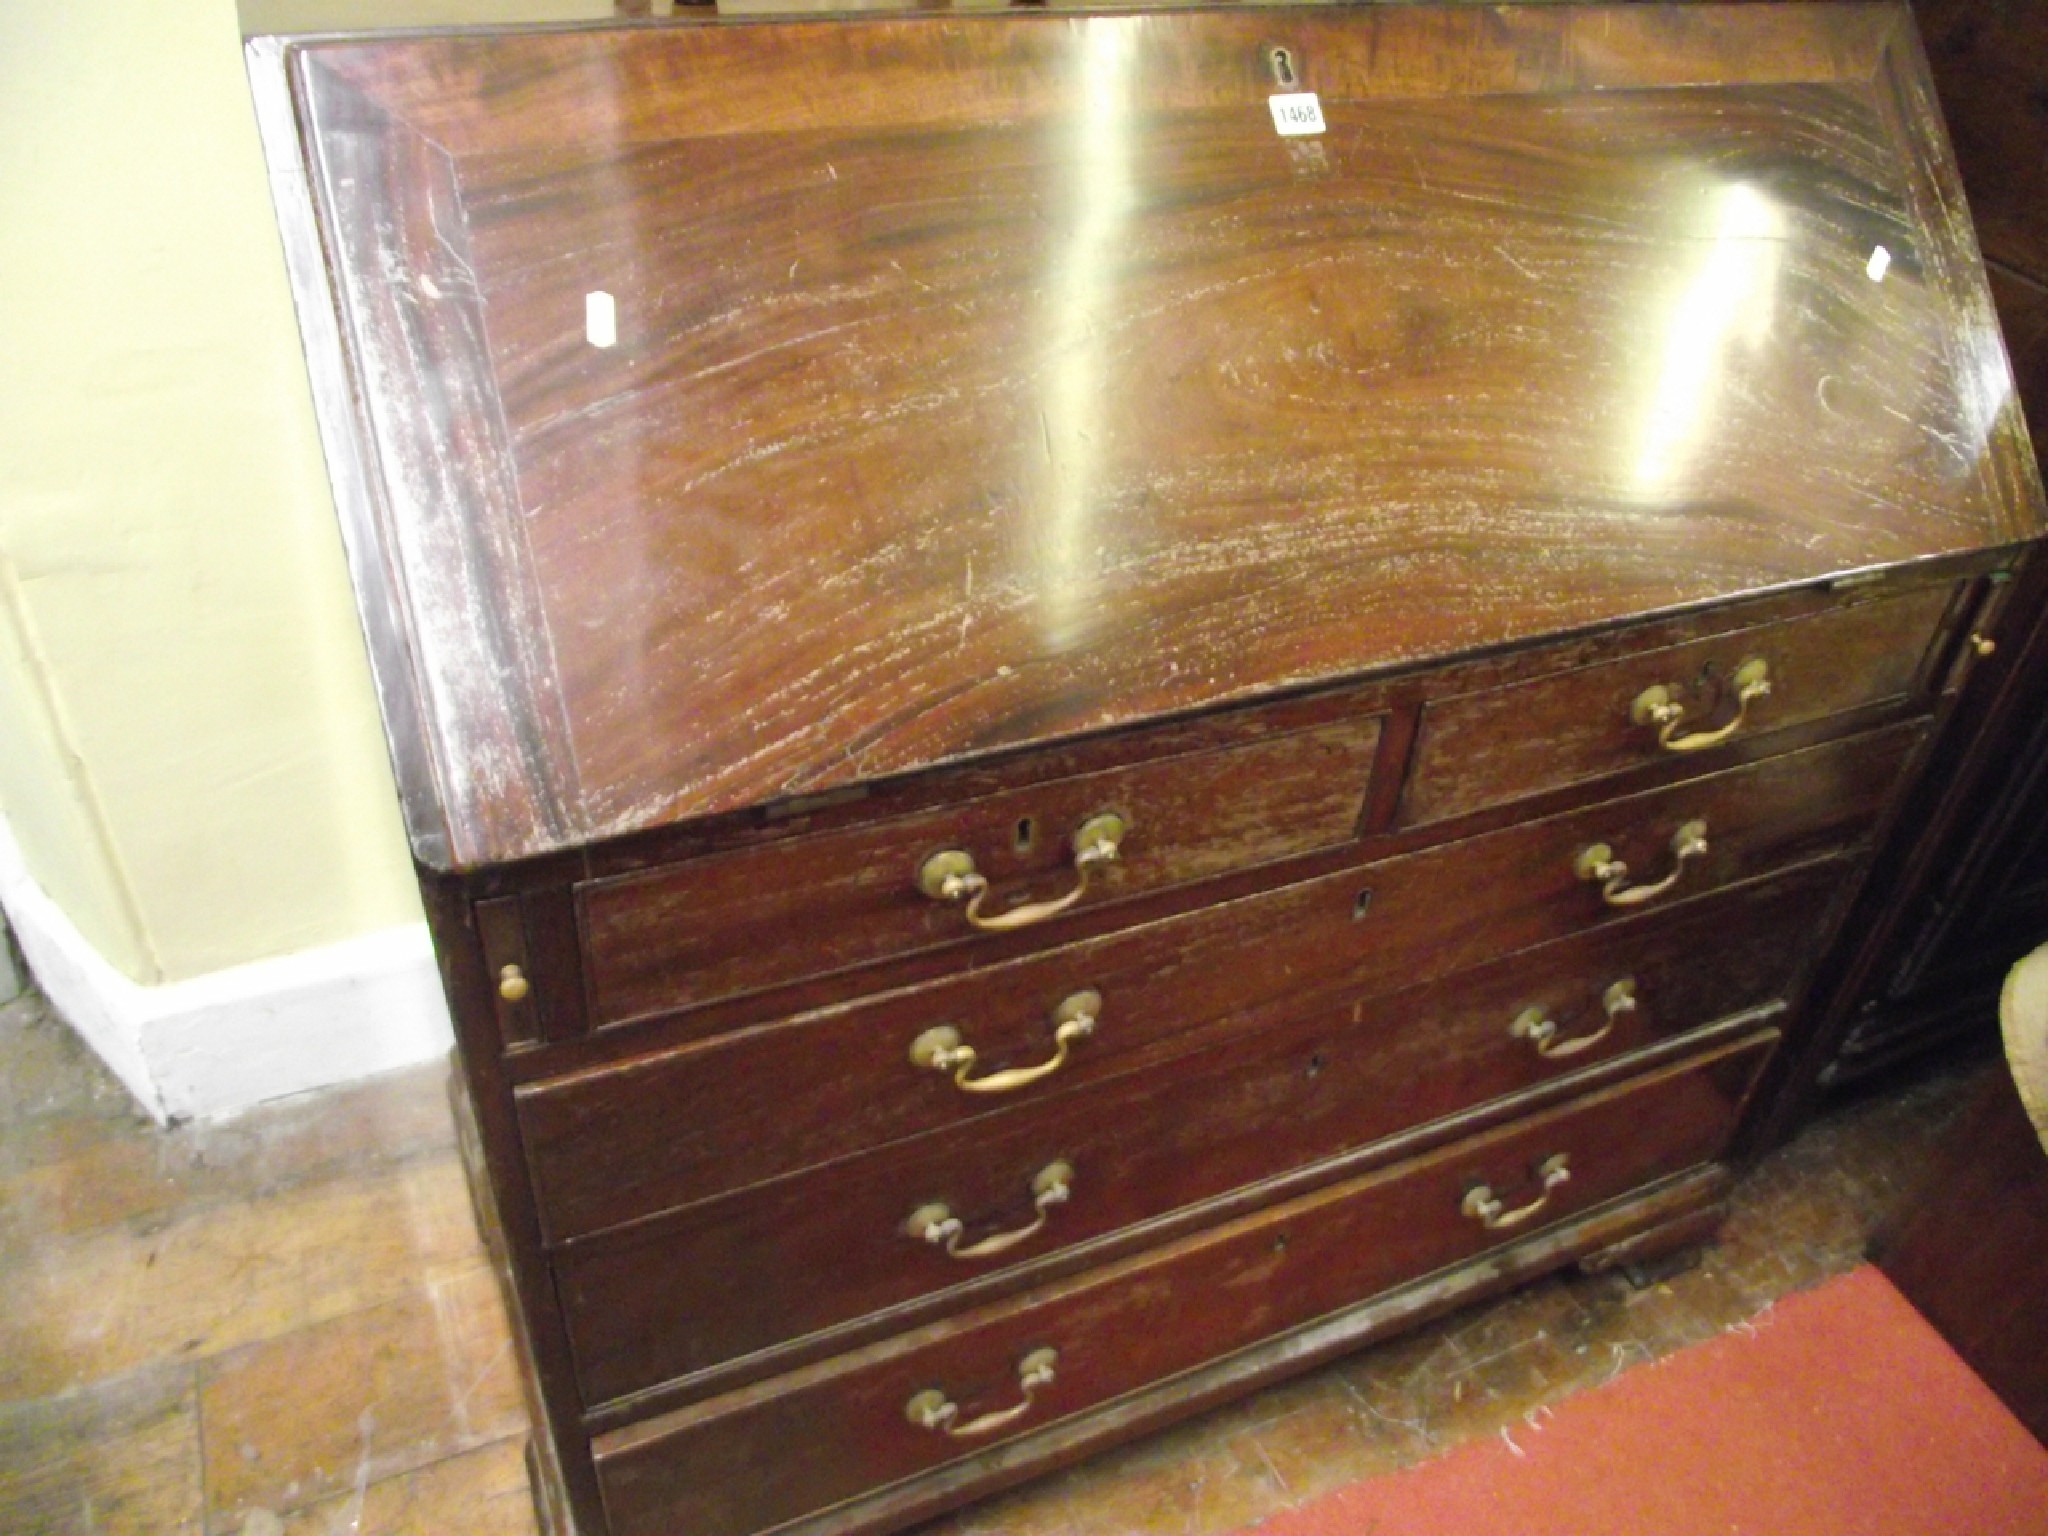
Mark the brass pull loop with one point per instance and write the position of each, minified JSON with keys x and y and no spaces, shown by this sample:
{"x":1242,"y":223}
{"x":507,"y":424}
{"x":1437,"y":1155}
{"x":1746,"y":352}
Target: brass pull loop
{"x":1655,"y":706}
{"x":1481,"y":1205}
{"x":940,"y":1048}
{"x":1599,"y":865}
{"x":932,"y":1409}
{"x":1537,"y":1027}
{"x":951,"y":876}
{"x":936,"y":1224}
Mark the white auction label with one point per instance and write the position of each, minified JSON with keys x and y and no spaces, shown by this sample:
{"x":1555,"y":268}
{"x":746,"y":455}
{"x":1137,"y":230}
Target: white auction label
{"x":1296,"y":113}
{"x":600,"y":319}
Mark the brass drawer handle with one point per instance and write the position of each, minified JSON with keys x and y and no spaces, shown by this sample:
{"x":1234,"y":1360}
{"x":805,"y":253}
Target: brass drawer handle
{"x":1655,"y":706}
{"x":951,"y":876}
{"x":936,"y":1224}
{"x":1599,"y":865}
{"x":1537,"y":1026}
{"x":1482,"y":1206}
{"x":932,"y":1409}
{"x":940,"y":1048}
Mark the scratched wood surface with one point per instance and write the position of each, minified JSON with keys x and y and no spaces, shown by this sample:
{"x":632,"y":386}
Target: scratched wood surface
{"x":790,"y":1269}
{"x":620,"y":1142}
{"x":983,"y":380}
{"x":842,"y":1428}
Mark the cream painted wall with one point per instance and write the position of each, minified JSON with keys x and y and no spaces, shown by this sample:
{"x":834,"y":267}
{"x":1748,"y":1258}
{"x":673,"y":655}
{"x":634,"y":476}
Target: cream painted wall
{"x":189,"y":750}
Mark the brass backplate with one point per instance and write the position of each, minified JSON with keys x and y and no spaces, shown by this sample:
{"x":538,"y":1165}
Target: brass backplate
{"x":934,"y":875}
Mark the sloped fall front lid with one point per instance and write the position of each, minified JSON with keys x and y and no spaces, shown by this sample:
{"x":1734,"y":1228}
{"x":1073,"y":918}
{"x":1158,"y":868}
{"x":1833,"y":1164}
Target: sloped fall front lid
{"x":723,"y":411}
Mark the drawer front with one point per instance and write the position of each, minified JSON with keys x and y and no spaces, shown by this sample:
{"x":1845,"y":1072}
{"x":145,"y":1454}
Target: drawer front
{"x":847,"y":1425}
{"x":689,"y":934}
{"x":751,"y":1270}
{"x":1488,"y":748}
{"x":623,"y":1142}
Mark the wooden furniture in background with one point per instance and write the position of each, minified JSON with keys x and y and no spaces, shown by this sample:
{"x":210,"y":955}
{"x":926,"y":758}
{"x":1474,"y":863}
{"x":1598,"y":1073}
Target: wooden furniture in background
{"x":1970,"y":1250}
{"x":1979,"y":897}
{"x":1066,"y":752}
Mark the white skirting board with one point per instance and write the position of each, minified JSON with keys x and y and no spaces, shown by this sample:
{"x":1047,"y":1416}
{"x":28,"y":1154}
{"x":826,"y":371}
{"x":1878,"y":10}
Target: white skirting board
{"x":217,"y":1044}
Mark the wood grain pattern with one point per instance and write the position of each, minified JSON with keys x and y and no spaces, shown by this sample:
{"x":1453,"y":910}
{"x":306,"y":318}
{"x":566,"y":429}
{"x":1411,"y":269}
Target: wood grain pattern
{"x":841,"y":1428}
{"x":621,"y":1142}
{"x":1002,"y":418}
{"x":1488,"y":748}
{"x":1959,"y":911}
{"x":443,"y":504}
{"x":1988,"y":61}
{"x":696,"y":932}
{"x":1285,"y":1355}
{"x":953,"y":352}
{"x":639,"y":86}
{"x":1335,"y":1076}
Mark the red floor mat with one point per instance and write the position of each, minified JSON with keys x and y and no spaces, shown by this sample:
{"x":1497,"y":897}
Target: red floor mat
{"x":1841,"y":1414}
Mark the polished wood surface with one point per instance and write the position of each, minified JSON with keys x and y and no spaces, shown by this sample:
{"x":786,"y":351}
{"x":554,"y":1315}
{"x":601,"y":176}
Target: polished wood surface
{"x":141,"y":1258}
{"x":620,"y":1142}
{"x":1989,"y":59}
{"x":776,"y":1264}
{"x":843,"y":1428}
{"x":773,"y":454}
{"x":1486,"y":748}
{"x":1971,"y":892}
{"x":699,"y":931}
{"x":952,"y":353}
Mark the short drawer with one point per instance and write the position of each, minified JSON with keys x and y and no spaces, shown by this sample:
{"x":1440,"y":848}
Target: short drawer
{"x":749,"y":1271}
{"x":1488,"y":748}
{"x":947,"y":1391}
{"x":689,"y":934}
{"x":627,"y":1141}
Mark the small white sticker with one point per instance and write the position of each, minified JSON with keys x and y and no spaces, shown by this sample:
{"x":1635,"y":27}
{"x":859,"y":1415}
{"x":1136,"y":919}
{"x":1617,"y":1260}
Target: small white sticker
{"x":600,"y":319}
{"x":1880,"y":263}
{"x":1296,"y":113}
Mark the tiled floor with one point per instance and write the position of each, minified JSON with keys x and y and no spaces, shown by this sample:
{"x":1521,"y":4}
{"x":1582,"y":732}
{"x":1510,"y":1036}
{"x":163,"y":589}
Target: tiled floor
{"x":284,"y":1324}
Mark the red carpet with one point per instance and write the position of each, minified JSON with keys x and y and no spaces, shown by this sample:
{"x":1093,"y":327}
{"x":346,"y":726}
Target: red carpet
{"x":1842,"y":1414}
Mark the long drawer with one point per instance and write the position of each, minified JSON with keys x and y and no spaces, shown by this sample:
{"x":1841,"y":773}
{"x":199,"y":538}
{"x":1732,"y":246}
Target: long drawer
{"x":688,"y":934}
{"x":749,"y":1271}
{"x":935,"y":1395}
{"x":626,"y":1141}
{"x":1502,"y":744}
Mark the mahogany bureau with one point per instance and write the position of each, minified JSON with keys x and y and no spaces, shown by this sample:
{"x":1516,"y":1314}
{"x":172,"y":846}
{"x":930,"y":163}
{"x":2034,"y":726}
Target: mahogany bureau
{"x":1093,"y":705}
{"x":1976,"y":899}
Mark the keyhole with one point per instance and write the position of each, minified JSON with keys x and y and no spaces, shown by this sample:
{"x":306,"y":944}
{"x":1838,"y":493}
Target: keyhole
{"x":1282,"y":64}
{"x":1315,"y":1065}
{"x":1358,"y":907}
{"x":1027,"y":833}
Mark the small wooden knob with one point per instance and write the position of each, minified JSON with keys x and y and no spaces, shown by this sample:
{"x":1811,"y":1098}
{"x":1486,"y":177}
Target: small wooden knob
{"x":512,"y":984}
{"x":1983,"y":645}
